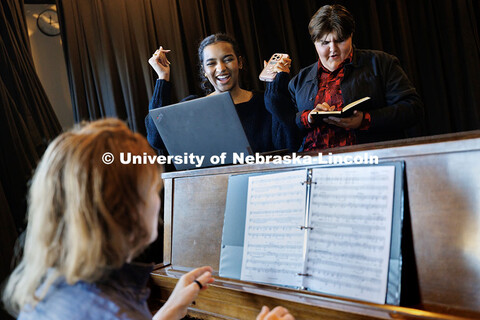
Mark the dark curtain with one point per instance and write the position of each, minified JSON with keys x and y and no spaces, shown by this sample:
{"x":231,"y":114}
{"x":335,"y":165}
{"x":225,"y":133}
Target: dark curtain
{"x":27,"y":123}
{"x":108,"y":43}
{"x":105,"y":45}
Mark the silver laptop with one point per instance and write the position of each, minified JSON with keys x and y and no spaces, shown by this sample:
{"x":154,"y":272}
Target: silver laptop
{"x":207,"y":127}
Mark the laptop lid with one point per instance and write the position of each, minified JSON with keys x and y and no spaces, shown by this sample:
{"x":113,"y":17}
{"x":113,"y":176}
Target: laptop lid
{"x":207,"y":127}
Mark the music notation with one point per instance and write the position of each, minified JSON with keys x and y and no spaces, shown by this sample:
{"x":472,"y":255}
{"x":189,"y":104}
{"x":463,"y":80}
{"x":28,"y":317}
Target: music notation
{"x":275,"y":209}
{"x":351,"y":211}
{"x":334,"y":230}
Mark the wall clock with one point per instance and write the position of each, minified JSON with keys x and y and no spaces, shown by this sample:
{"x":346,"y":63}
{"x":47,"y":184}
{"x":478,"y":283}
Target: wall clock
{"x":47,"y":23}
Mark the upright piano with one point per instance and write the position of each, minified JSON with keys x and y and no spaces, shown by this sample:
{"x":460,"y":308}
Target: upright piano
{"x":440,"y":246}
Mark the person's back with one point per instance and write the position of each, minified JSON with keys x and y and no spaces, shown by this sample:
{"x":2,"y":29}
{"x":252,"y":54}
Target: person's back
{"x":89,"y":216}
{"x":121,"y":295}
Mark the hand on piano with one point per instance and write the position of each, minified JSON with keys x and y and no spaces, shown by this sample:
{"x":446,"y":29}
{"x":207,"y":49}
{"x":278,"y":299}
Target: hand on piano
{"x":278,"y":313}
{"x":186,"y":290}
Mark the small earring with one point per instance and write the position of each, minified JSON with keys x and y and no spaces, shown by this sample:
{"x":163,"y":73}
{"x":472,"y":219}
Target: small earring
{"x":205,"y":74}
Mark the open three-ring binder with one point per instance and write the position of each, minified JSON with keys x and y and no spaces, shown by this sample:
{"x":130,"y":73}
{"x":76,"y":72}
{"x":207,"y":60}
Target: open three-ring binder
{"x":334,"y":230}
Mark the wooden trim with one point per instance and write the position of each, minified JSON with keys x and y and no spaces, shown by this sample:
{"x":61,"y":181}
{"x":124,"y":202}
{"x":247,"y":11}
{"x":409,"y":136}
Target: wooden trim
{"x":384,"y":150}
{"x":226,"y":299}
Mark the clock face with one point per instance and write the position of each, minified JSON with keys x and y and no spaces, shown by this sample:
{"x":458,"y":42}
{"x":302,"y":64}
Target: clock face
{"x":47,"y":22}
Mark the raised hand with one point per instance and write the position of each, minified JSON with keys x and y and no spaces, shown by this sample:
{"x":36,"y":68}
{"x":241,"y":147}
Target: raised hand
{"x":160,"y":63}
{"x":283,"y":65}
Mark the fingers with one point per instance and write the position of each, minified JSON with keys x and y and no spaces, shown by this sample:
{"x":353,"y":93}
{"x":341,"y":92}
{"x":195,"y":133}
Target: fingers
{"x":263,"y":313}
{"x":203,"y":275}
{"x":195,"y":273}
{"x":288,"y":317}
{"x":334,"y":120}
{"x":320,"y":107}
{"x":283,"y":65}
{"x":160,"y":56}
{"x":204,"y":280}
{"x":352,"y":122}
{"x":164,"y":50}
{"x":281,"y":68}
{"x":286,"y":61}
{"x":161,"y":50}
{"x":278,"y":313}
{"x":324,"y":107}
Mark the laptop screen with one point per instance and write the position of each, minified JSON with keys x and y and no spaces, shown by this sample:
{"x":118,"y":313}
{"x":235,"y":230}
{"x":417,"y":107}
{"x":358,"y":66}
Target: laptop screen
{"x":203,"y":132}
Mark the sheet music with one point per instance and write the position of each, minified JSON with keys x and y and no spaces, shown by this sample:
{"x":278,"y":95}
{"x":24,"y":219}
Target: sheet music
{"x":349,"y":246}
{"x":273,"y":245}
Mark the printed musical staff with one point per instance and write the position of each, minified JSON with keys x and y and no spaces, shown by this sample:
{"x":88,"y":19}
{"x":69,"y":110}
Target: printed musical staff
{"x":348,"y":249}
{"x":273,"y":242}
{"x":331,"y":234}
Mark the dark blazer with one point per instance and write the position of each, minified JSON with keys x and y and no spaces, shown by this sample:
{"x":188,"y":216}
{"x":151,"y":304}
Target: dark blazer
{"x":395,"y":104}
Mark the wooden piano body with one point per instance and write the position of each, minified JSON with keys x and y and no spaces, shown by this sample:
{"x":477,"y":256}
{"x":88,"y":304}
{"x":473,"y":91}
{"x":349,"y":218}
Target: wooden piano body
{"x":441,"y":250}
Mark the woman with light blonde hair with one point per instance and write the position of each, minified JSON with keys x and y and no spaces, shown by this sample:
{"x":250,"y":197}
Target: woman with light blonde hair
{"x":87,"y":220}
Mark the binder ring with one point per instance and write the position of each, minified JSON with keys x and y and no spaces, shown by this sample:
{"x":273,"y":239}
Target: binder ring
{"x":303,"y":227}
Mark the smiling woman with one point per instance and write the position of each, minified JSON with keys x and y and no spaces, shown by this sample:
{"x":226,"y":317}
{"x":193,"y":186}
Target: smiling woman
{"x":220,"y":64}
{"x":222,"y":67}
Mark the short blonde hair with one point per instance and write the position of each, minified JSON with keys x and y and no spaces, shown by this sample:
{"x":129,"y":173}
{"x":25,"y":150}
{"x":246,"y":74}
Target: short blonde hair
{"x":84,"y":216}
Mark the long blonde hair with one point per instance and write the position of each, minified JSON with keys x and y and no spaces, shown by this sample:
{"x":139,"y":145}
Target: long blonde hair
{"x":84,"y":216}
